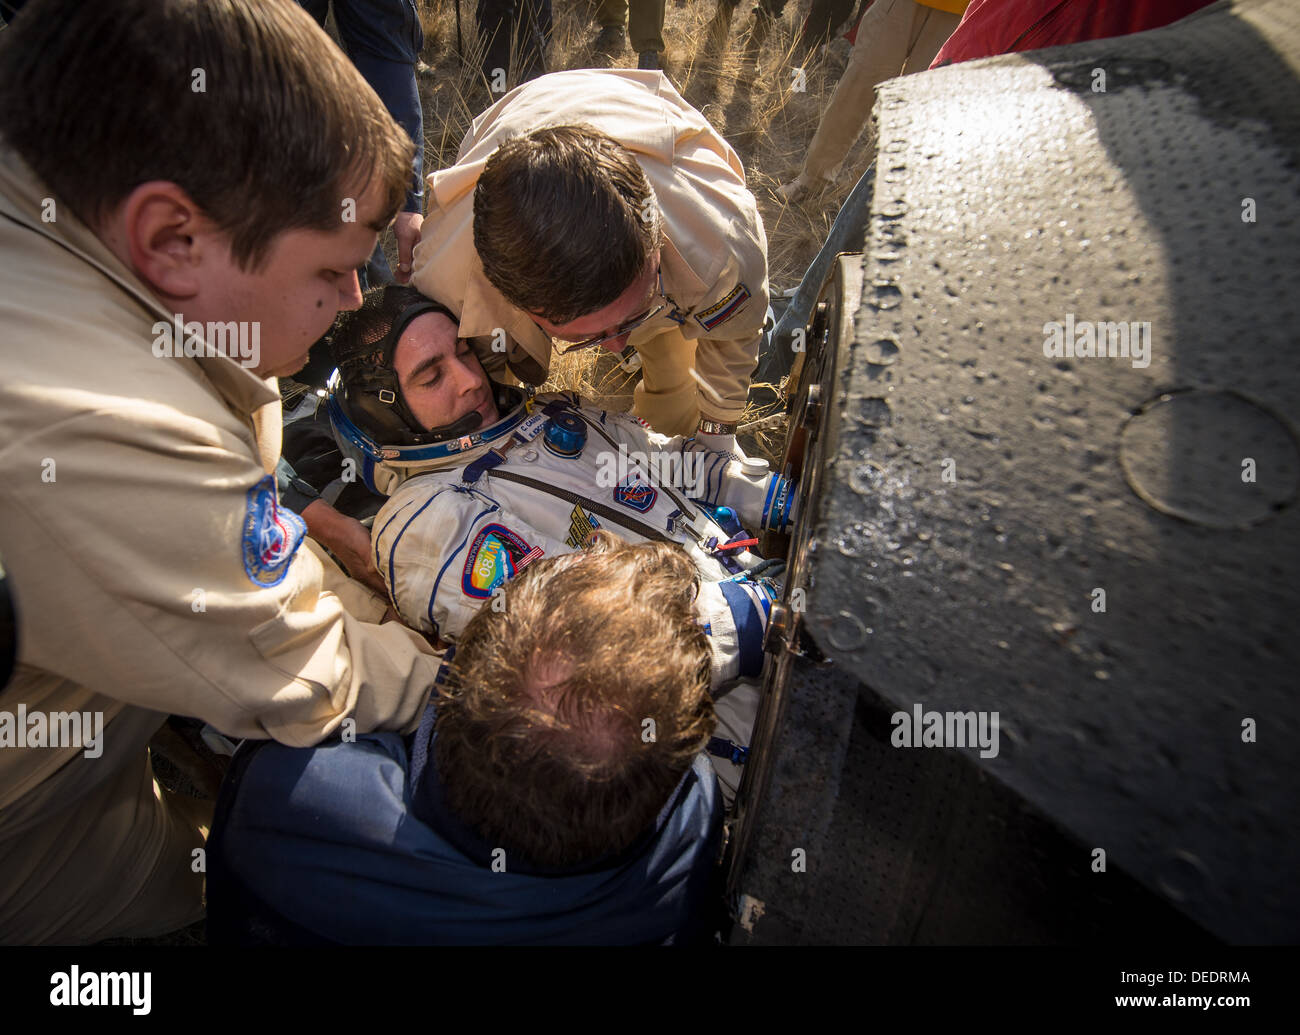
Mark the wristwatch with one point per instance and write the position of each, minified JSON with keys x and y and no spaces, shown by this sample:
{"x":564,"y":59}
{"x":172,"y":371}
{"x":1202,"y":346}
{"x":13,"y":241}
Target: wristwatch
{"x":713,"y":427}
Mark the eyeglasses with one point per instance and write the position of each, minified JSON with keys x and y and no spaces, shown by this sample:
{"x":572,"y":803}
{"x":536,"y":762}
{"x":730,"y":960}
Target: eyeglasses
{"x":627,"y":325}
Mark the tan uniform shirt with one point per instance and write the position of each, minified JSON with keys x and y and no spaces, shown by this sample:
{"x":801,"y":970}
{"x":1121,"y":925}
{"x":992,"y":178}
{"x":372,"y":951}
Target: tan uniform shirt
{"x":714,"y":260}
{"x":132,"y":490}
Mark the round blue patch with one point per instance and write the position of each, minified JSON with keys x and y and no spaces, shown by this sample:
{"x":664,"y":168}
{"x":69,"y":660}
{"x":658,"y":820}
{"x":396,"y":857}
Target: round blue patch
{"x":272,"y":534}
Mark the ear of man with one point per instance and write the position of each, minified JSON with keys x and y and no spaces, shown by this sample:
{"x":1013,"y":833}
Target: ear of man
{"x":164,"y":237}
{"x":195,"y":84}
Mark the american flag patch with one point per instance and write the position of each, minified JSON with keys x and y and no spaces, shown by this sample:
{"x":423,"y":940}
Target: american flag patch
{"x":722,"y":311}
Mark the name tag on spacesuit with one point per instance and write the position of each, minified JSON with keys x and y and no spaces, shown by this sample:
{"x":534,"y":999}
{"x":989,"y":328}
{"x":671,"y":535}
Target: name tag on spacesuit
{"x":531,"y":428}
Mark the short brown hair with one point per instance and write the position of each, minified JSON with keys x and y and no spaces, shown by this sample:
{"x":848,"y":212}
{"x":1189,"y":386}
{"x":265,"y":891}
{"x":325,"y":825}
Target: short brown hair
{"x":101,"y":97}
{"x":543,"y":744}
{"x":559,"y":221}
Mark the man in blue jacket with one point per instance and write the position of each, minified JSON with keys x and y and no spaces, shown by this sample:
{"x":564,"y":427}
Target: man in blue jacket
{"x":556,"y":792}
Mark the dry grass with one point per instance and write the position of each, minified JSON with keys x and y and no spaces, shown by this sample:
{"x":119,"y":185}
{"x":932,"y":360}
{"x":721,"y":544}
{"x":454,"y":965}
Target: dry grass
{"x":759,"y":112}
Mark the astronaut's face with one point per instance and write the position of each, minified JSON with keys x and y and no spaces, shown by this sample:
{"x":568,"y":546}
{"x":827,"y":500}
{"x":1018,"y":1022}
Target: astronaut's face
{"x":441,"y":377}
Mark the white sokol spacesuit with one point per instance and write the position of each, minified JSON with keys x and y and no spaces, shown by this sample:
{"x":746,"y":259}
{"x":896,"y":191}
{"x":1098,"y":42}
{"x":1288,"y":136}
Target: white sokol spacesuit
{"x":465,"y":515}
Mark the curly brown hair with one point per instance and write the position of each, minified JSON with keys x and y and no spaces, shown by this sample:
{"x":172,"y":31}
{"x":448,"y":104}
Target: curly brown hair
{"x":560,"y":221}
{"x":572,"y":713}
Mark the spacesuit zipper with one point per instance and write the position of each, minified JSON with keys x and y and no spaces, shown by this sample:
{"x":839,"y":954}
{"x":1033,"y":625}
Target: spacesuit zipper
{"x":630,"y":523}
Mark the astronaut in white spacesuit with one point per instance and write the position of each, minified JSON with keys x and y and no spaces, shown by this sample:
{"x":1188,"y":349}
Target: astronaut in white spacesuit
{"x":483,"y":480}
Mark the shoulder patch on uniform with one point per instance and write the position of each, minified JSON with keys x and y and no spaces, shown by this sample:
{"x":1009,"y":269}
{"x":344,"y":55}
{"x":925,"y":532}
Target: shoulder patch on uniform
{"x":496,"y":555}
{"x":722,"y":311}
{"x":633,"y":492}
{"x":271,"y":535}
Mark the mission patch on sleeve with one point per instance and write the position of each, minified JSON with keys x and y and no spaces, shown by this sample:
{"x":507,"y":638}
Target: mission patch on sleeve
{"x":496,"y":555}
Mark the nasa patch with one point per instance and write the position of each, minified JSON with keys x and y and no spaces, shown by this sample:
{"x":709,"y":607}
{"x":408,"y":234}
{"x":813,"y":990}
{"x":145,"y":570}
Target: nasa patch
{"x":271,"y":535}
{"x":496,"y":555}
{"x":632,"y":492}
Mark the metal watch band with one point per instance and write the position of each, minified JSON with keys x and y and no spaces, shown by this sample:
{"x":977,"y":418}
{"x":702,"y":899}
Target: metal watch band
{"x":713,"y":427}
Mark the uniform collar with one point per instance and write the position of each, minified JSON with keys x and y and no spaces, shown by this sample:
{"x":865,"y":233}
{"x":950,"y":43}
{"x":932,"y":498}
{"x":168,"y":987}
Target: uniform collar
{"x":22,"y":196}
{"x":532,"y":105}
{"x":388,"y":466}
{"x":480,"y":316}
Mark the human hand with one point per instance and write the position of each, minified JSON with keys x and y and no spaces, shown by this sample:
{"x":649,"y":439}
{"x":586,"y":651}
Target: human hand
{"x":719,"y":443}
{"x":353,"y":551}
{"x":348,"y":540}
{"x":406,"y":228}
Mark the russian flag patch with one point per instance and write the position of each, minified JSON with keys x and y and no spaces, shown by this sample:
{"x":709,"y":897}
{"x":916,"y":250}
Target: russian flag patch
{"x":720,"y":312}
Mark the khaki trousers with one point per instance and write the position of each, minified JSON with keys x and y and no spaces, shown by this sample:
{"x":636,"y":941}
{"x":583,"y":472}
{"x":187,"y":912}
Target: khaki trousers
{"x":895,"y":37}
{"x":645,"y":22}
{"x":115,"y":863}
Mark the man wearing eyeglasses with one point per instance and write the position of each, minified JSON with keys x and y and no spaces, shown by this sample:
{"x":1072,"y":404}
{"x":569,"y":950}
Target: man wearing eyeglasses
{"x":596,"y":207}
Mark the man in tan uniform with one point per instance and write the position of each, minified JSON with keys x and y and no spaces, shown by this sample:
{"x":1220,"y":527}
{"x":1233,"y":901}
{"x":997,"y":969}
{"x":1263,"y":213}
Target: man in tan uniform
{"x":152,"y":566}
{"x":894,"y":37}
{"x":575,"y":212}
